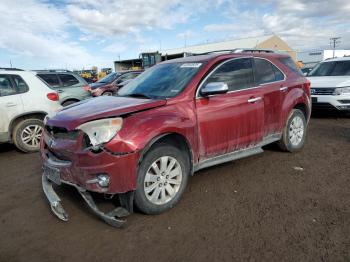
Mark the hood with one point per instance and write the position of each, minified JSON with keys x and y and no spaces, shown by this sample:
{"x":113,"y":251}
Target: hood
{"x":101,"y":107}
{"x":98,"y":85}
{"x":329,"y":81}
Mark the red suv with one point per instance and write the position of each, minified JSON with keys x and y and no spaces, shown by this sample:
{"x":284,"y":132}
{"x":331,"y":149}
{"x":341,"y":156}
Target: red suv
{"x":176,"y":118}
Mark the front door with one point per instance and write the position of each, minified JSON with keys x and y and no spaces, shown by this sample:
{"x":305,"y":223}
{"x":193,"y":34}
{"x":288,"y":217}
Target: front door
{"x":231,"y":121}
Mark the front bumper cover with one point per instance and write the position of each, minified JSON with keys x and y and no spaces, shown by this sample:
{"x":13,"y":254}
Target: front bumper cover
{"x":113,"y":218}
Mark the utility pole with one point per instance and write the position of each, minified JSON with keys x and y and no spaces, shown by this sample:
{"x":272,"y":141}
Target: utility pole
{"x":334,"y":41}
{"x":10,"y":63}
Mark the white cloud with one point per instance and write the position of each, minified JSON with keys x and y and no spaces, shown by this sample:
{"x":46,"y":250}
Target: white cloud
{"x":130,"y":16}
{"x":38,"y":30}
{"x":303,"y":24}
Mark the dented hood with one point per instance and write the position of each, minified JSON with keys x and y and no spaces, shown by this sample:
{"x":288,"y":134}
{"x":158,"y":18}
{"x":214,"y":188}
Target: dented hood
{"x":101,"y":107}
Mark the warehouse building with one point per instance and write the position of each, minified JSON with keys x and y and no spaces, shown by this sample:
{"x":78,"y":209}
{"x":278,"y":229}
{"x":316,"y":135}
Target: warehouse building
{"x":312,"y":57}
{"x":272,"y":42}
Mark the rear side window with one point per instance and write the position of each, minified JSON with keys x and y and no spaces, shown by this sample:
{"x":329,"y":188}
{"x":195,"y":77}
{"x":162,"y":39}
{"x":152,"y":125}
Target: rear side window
{"x":288,"y":62}
{"x":22,"y":87}
{"x":266,"y":72}
{"x":237,"y":74}
{"x":68,"y":80}
{"x":6,"y":87}
{"x":50,"y":79}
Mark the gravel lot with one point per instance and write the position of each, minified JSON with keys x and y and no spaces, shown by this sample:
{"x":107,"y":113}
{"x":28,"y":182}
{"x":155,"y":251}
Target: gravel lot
{"x":257,"y":209}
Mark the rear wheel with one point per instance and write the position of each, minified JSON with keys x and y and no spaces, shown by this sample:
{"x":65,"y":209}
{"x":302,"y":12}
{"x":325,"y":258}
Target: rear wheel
{"x":69,"y":102}
{"x":107,"y":93}
{"x":294,"y":133}
{"x":27,"y":135}
{"x":162,"y":179}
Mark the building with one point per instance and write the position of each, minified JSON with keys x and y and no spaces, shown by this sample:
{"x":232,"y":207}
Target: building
{"x":312,"y":57}
{"x":272,"y":42}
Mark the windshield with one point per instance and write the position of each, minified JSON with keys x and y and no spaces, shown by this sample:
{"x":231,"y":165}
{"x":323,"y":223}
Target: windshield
{"x":161,"y":81}
{"x":108,"y":78}
{"x":336,"y":68}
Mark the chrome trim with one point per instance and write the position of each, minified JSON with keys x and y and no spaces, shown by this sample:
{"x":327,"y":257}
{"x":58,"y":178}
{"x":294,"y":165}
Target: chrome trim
{"x":283,"y":89}
{"x":253,"y":100}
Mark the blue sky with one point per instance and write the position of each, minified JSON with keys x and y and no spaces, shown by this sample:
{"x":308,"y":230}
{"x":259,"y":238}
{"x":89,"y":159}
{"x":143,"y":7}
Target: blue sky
{"x":37,"y":34}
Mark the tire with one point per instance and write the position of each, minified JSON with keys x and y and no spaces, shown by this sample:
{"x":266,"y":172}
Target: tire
{"x":294,"y":133}
{"x":69,"y":102}
{"x":167,"y":190}
{"x":26,"y":135}
{"x":107,"y":93}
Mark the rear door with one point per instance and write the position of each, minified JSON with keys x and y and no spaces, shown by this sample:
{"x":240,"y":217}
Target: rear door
{"x":231,"y":121}
{"x":10,"y":102}
{"x":272,"y":82}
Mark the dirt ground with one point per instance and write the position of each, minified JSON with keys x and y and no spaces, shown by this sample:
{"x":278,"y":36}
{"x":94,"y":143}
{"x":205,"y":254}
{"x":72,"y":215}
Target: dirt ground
{"x":256,"y":209}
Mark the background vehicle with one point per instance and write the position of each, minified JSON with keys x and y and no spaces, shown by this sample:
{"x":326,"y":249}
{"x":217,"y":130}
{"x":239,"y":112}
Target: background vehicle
{"x":71,"y":87}
{"x":109,"y":85}
{"x":24,"y":102}
{"x":176,"y":118}
{"x":330,"y":84}
{"x":104,"y":72}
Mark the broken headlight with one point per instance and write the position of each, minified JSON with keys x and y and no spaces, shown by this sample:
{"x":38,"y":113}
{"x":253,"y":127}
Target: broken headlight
{"x":101,"y":131}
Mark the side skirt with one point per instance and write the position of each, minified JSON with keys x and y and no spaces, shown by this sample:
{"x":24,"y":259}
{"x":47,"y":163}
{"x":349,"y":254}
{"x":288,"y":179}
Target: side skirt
{"x":250,"y":151}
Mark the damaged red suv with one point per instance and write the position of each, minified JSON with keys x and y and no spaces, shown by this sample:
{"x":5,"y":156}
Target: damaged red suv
{"x":176,"y":118}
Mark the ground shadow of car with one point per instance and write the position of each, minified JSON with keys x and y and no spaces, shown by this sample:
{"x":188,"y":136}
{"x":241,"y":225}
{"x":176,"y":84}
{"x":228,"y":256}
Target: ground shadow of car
{"x":7,"y":148}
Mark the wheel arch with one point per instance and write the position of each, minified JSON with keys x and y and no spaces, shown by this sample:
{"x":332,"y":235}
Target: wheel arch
{"x":172,"y":138}
{"x":302,"y":107}
{"x":35,"y":114}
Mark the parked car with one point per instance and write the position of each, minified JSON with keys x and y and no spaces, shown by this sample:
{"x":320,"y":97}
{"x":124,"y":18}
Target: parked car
{"x":109,"y":85}
{"x":330,"y":84}
{"x":24,"y":102}
{"x":71,"y":86}
{"x":176,"y":118}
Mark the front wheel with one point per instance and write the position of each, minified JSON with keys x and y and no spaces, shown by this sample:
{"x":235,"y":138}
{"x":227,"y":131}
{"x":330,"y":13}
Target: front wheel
{"x":294,"y":133}
{"x":162,"y":179}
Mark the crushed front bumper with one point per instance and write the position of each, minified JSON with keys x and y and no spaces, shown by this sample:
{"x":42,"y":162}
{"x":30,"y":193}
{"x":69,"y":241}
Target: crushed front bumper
{"x":114,"y":218}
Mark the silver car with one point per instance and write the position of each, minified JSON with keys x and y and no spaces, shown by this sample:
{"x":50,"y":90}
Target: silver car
{"x":71,"y":87}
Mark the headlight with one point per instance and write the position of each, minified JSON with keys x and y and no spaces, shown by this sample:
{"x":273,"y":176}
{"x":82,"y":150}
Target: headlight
{"x":342,"y":90}
{"x":102,"y":131}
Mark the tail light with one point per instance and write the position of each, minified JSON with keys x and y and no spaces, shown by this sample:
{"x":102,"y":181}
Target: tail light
{"x":52,"y":96}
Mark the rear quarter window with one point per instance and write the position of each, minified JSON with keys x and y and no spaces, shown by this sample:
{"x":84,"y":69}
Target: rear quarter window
{"x":50,"y":79}
{"x":266,"y":72}
{"x":68,"y":80}
{"x":290,"y":64}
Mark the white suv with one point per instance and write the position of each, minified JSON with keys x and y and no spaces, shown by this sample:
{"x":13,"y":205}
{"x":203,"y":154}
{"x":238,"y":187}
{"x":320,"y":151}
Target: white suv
{"x":25,"y":100}
{"x":330,"y":84}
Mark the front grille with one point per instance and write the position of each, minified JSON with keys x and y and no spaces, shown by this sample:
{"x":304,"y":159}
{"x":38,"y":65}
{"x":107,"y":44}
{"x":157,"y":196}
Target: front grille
{"x":62,"y":133}
{"x":323,"y":91}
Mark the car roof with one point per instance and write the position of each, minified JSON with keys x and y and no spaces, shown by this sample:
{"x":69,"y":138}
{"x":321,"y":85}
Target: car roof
{"x":346,"y":58}
{"x":211,"y":56}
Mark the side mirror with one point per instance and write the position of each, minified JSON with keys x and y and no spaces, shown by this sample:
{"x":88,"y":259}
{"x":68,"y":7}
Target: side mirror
{"x":214,"y":88}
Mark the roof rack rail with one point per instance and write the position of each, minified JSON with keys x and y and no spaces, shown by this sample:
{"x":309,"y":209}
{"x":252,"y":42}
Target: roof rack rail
{"x":238,"y":50}
{"x":252,"y":50}
{"x":54,"y":70}
{"x":10,"y":69}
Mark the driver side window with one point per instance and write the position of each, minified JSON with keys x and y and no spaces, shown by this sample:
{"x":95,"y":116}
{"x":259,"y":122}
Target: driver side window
{"x":237,"y":74}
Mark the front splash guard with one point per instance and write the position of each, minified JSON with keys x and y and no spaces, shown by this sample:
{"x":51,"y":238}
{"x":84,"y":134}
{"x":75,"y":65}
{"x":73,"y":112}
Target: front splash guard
{"x":112,"y":218}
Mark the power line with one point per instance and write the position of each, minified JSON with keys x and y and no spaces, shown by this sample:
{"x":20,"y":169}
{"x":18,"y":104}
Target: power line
{"x":334,"y":42}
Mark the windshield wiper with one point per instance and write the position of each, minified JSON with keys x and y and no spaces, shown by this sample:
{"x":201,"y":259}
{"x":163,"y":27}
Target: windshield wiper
{"x":139,"y":95}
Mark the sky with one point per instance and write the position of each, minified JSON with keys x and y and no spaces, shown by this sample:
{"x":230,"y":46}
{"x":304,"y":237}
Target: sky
{"x":76,"y":34}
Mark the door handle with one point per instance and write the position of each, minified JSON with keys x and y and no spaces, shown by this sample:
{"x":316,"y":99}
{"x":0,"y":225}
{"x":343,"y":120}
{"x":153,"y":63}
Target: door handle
{"x":10,"y":104}
{"x":284,"y":89}
{"x":253,"y":100}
